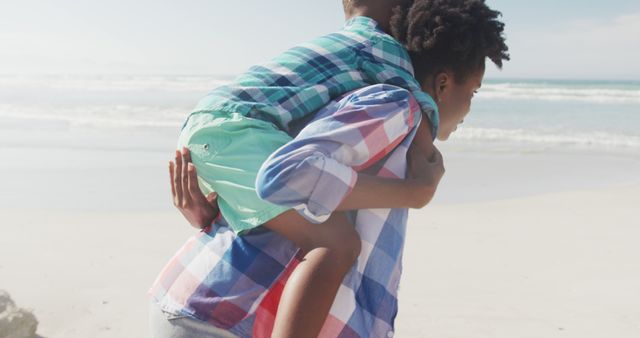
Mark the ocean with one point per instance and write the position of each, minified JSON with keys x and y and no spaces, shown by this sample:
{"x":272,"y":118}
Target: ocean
{"x":103,"y":142}
{"x":506,"y":114}
{"x":541,"y":114}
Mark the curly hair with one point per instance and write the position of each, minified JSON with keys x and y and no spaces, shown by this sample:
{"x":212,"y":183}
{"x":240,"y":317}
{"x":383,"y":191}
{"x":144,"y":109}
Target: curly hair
{"x":454,"y":35}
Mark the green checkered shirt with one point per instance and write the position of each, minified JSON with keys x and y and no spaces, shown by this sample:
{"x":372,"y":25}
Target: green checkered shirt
{"x":303,"y":79}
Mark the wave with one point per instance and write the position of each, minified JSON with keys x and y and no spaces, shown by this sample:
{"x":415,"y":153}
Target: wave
{"x":122,"y":116}
{"x":604,"y":92}
{"x":558,"y":92}
{"x":116,"y":116}
{"x":113,"y":82}
{"x":583,"y":140}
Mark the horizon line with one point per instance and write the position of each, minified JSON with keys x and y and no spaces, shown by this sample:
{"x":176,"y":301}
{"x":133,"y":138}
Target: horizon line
{"x":231,"y":76}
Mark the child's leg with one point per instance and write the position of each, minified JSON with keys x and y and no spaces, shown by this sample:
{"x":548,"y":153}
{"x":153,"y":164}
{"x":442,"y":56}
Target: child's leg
{"x":330,"y":250}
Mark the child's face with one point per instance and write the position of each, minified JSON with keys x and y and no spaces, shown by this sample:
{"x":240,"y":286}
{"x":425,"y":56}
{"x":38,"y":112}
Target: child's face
{"x":454,"y":100}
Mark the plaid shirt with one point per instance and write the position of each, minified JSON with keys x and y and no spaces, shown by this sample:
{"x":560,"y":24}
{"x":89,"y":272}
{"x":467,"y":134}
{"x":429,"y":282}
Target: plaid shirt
{"x":235,"y":282}
{"x":302,"y":80}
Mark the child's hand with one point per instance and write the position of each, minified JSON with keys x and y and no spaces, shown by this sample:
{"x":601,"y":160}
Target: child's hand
{"x":199,"y":210}
{"x":424,"y":174}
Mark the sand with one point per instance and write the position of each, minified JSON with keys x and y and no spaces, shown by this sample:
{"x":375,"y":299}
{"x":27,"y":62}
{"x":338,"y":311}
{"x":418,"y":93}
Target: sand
{"x":514,"y":245}
{"x":561,"y":264}
{"x":554,"y":265}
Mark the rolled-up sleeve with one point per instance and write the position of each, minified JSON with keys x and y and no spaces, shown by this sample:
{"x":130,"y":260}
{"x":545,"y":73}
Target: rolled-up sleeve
{"x":316,"y":170}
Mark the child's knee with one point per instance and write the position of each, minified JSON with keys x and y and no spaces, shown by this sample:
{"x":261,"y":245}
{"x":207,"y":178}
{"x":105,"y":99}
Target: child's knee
{"x":341,"y":248}
{"x":354,"y":242}
{"x":346,"y":247}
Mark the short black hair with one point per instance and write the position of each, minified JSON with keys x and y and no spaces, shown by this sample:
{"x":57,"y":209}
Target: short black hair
{"x":346,"y":4}
{"x":349,"y":5}
{"x":454,"y":35}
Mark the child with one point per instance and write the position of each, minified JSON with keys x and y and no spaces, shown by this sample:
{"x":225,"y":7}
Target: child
{"x":233,"y":131}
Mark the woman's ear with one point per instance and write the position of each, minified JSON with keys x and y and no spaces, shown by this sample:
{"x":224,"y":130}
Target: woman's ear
{"x":442,"y":84}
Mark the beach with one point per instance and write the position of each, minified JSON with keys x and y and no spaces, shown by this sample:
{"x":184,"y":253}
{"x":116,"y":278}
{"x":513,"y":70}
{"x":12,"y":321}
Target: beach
{"x":528,"y":236}
{"x":562,"y":264}
{"x":556,"y":263}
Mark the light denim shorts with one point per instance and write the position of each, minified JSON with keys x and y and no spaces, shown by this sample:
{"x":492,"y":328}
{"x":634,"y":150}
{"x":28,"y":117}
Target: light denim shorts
{"x":166,"y":325}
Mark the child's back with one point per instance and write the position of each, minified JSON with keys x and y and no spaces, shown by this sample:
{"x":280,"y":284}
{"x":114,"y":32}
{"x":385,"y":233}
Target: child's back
{"x":304,"y":78}
{"x":255,"y":111}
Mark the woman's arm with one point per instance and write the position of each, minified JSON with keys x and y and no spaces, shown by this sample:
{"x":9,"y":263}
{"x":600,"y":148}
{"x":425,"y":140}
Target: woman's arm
{"x":199,"y":210}
{"x":320,"y":171}
{"x":425,"y":169}
{"x":415,"y":191}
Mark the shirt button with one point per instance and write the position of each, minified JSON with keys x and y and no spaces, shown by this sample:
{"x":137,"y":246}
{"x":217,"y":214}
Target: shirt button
{"x":390,"y":334}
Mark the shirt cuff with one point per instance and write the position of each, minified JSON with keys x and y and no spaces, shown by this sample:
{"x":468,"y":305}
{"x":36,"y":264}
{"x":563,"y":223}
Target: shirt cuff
{"x":335,"y":182}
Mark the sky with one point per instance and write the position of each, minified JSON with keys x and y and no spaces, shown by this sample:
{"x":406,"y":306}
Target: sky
{"x":566,"y":39}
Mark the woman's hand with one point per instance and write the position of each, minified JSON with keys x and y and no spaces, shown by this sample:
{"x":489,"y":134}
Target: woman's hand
{"x":424,"y":173}
{"x":199,"y":210}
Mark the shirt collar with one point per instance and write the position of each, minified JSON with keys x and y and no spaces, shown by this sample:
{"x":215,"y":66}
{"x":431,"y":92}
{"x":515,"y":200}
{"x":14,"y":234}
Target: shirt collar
{"x":428,"y":105}
{"x":362,"y":22}
{"x":369,"y":24}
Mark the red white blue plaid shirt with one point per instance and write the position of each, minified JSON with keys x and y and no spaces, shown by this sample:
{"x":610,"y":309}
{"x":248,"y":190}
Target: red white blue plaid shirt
{"x":235,"y":282}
